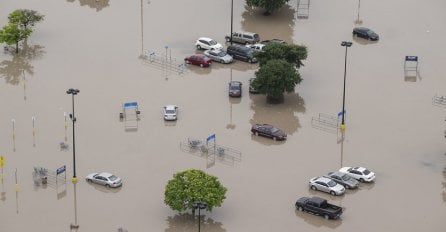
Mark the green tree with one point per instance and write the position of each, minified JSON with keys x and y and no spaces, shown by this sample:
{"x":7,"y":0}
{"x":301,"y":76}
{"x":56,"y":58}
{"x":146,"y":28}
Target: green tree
{"x":191,"y":186}
{"x":276,"y":77}
{"x":291,"y":53}
{"x":13,"y":34}
{"x":269,"y":5}
{"x":25,"y":18}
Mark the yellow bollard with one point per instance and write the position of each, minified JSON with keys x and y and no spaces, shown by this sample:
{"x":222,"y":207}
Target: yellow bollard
{"x":342,"y":126}
{"x":16,"y":187}
{"x":74,"y":179}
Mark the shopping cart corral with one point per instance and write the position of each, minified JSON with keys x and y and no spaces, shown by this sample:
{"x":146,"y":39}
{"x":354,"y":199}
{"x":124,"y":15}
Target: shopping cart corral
{"x":130,"y":115}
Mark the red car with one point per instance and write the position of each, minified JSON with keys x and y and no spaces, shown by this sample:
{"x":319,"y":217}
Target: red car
{"x":198,"y":59}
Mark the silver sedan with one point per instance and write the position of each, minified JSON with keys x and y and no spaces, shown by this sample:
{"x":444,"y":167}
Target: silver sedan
{"x":327,"y":185}
{"x":219,"y":56}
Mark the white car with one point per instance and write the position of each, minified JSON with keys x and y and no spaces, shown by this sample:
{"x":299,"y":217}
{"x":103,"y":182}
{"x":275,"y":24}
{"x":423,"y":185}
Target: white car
{"x":327,"y":185}
{"x":104,"y":178}
{"x":256,"y":46}
{"x":170,"y":112}
{"x":360,"y":173}
{"x":207,"y":44}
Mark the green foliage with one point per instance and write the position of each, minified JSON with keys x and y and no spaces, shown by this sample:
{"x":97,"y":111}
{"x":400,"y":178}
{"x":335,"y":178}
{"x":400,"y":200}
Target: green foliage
{"x":25,"y":18}
{"x":269,"y":5}
{"x":276,"y":77}
{"x":292,"y":53}
{"x":13,"y":34}
{"x":193,"y":185}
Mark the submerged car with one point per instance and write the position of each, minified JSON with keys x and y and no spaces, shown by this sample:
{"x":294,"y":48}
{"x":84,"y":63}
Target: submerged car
{"x":104,"y":178}
{"x":198,"y":59}
{"x":343,"y":179}
{"x":365,"y":33}
{"x":327,"y":185}
{"x":207,"y":43}
{"x":268,"y":130}
{"x":360,"y":173}
{"x":235,"y":89}
{"x":219,"y":56}
{"x":170,"y":112}
{"x":251,"y":88}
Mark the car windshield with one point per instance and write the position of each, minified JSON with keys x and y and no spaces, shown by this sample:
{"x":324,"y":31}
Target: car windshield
{"x":366,"y":172}
{"x":221,"y":54}
{"x":346,"y":177}
{"x":331,"y":183}
{"x":170,"y":111}
{"x":233,"y":87}
{"x":212,"y":42}
{"x":113,"y":178}
{"x":274,"y":130}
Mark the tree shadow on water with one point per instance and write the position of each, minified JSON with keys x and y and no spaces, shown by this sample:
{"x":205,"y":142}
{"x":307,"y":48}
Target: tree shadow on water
{"x":187,"y":222}
{"x":279,"y":25}
{"x":281,"y":115}
{"x":14,"y":70}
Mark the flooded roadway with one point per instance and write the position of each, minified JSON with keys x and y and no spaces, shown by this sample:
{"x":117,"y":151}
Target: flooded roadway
{"x":95,"y":46}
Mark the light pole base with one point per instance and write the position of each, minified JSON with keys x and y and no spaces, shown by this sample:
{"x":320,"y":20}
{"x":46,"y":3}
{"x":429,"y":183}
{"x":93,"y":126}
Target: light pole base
{"x":74,"y":179}
{"x":73,"y":226}
{"x":342,"y":126}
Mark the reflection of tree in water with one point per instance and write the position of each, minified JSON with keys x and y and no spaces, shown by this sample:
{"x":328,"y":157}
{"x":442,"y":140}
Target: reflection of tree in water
{"x":186,"y":222}
{"x":279,"y":25}
{"x":281,"y":115}
{"x":13,"y":70}
{"x":94,"y":4}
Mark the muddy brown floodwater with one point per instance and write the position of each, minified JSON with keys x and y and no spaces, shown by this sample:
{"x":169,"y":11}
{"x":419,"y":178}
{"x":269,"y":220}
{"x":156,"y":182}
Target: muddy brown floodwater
{"x":103,"y":47}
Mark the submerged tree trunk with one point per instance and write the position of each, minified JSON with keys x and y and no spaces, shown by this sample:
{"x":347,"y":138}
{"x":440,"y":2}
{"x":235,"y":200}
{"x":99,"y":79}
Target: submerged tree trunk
{"x":17,"y":47}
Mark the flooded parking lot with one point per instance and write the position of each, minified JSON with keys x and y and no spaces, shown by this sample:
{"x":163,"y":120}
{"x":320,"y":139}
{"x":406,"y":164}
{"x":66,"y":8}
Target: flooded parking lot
{"x":98,"y":47}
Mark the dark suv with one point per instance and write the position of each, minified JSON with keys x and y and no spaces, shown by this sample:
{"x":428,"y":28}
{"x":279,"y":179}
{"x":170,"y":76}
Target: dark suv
{"x":241,"y":53}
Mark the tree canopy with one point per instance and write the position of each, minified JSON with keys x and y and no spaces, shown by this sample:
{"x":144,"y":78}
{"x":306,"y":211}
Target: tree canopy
{"x":276,"y":77}
{"x":13,"y":34}
{"x":190,"y":186}
{"x":291,"y":53}
{"x":25,"y":18}
{"x":269,"y":5}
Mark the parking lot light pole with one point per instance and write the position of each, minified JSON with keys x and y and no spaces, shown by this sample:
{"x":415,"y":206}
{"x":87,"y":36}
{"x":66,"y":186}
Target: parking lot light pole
{"x":199,"y":205}
{"x":346,"y":45}
{"x":73,"y":119}
{"x":232,"y":19}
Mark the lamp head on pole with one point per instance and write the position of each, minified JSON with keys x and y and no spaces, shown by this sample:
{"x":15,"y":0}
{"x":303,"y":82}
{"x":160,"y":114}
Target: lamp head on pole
{"x":73,"y":91}
{"x":346,"y":44}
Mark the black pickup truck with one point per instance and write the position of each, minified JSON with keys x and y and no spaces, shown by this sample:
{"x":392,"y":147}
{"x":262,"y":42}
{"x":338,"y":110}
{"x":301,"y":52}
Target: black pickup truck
{"x":319,"y":206}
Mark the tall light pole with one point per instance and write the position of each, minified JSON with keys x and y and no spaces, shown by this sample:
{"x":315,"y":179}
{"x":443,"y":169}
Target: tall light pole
{"x":73,"y":119}
{"x":346,"y":45}
{"x":232,"y":18}
{"x":199,"y":205}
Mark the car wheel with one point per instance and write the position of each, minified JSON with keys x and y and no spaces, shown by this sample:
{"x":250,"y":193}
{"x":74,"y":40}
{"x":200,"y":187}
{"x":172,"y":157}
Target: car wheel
{"x":333,"y":193}
{"x":222,"y":61}
{"x":347,"y":186}
{"x":355,"y":34}
{"x":274,"y":138}
{"x":107,"y":185}
{"x":256,"y":133}
{"x":246,"y":43}
{"x":300,"y":209}
{"x":361,"y":180}
{"x":198,"y":47}
{"x":250,"y":60}
{"x":201,"y":65}
{"x":89,"y":181}
{"x":187,"y":62}
{"x":326,"y":217}
{"x":313,"y":187}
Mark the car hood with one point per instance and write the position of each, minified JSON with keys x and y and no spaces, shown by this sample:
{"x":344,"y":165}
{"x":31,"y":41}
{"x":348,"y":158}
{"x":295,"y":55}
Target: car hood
{"x":338,"y":188}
